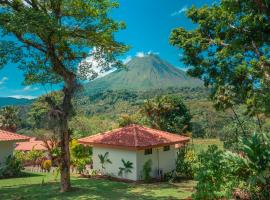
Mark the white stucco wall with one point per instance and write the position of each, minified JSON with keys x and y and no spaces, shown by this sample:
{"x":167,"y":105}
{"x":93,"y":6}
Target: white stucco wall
{"x":115,"y":155}
{"x":162,"y":160}
{"x":6,"y":149}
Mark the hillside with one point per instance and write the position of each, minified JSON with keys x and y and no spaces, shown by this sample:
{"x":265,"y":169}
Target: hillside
{"x":143,"y":74}
{"x":6,"y":101}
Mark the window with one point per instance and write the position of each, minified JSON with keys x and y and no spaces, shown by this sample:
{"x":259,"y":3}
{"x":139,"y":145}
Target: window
{"x":166,"y":148}
{"x":147,"y":151}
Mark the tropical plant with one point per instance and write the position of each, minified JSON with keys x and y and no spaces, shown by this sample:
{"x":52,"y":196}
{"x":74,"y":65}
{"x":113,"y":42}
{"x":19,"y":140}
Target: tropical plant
{"x":34,"y":155}
{"x":212,"y":176}
{"x":50,"y":41}
{"x":10,"y":168}
{"x":80,"y":155}
{"x":46,"y":165}
{"x":168,"y":113}
{"x":257,"y":151}
{"x":186,"y":162}
{"x":127,"y":168}
{"x":9,"y":119}
{"x":147,"y":169}
{"x":104,"y":160}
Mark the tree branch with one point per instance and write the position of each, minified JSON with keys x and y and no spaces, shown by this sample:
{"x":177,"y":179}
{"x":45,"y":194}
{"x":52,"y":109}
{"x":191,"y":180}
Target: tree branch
{"x":30,"y":43}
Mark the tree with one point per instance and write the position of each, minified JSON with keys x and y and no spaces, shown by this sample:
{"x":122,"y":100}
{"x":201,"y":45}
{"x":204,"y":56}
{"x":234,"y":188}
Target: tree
{"x":38,"y":113}
{"x":49,"y":40}
{"x":229,"y":48}
{"x":9,"y":119}
{"x":168,"y":113}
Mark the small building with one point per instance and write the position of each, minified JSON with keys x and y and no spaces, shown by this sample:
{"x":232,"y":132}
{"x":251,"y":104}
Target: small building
{"x":7,"y":143}
{"x":30,"y":145}
{"x":136,"y":144}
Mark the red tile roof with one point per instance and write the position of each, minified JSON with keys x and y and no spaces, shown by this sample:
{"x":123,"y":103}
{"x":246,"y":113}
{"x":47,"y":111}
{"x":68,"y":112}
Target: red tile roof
{"x":8,"y":136}
{"x":134,"y":137}
{"x":31,"y":145}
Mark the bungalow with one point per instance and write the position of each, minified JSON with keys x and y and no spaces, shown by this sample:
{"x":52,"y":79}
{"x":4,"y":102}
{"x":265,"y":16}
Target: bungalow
{"x":30,"y":145}
{"x":7,"y":143}
{"x":136,"y":144}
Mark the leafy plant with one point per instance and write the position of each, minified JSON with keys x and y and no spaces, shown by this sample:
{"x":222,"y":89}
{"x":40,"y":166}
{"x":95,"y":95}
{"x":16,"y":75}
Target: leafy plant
{"x":104,"y":160}
{"x":257,"y":150}
{"x":212,"y":176}
{"x":127,"y":168}
{"x":168,"y":113}
{"x":185,"y":163}
{"x":11,"y":168}
{"x":147,"y":169}
{"x":9,"y":119}
{"x":80,"y":155}
{"x":46,"y":165}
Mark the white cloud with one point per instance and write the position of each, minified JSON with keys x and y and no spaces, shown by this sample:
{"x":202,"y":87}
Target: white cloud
{"x":3,"y":80}
{"x":23,"y":96}
{"x":140,"y":54}
{"x":143,"y":54}
{"x":182,"y":10}
{"x":30,"y":88}
{"x":95,"y":65}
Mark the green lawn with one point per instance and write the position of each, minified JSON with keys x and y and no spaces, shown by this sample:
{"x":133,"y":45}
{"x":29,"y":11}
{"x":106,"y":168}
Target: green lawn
{"x":32,"y":188}
{"x":202,"y":144}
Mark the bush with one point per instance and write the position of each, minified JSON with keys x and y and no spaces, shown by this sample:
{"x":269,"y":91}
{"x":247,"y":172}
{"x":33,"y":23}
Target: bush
{"x":11,"y":168}
{"x":47,"y":165}
{"x":212,"y":176}
{"x":186,"y":162}
{"x":80,"y":155}
{"x":222,"y":175}
{"x":147,"y":168}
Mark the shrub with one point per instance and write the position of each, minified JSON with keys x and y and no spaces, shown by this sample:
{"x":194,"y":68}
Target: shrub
{"x":257,"y":152}
{"x":212,"y":176}
{"x":147,"y":168}
{"x":169,"y":176}
{"x":46,"y":165}
{"x":186,"y":162}
{"x":80,"y":155}
{"x":11,"y":168}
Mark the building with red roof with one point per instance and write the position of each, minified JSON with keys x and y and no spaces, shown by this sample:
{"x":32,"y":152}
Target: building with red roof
{"x":136,"y":144}
{"x":32,"y":144}
{"x":7,"y":143}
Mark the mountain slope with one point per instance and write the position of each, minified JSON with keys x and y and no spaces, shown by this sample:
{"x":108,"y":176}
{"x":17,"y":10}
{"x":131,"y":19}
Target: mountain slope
{"x":7,"y":101}
{"x":142,"y":74}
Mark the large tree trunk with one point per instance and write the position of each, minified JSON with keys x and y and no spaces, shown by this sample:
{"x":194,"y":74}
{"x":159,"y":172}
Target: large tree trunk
{"x":67,"y":109}
{"x":65,"y":155}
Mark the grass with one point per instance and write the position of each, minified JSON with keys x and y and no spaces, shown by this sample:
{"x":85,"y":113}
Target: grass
{"x":202,"y":144}
{"x":31,"y":187}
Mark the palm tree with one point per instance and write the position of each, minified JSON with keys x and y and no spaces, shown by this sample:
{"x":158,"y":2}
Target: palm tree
{"x":128,"y":166}
{"x":104,"y":159}
{"x":9,"y":118}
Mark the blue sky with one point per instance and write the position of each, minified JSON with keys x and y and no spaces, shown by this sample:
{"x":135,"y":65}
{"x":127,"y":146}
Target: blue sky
{"x":149,"y":23}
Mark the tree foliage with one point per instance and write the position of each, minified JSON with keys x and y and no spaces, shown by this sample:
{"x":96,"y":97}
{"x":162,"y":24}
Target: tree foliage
{"x":168,"y":113}
{"x":229,"y":49}
{"x":9,"y":119}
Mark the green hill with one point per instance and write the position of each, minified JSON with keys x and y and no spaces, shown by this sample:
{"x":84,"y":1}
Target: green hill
{"x":143,"y":74}
{"x":8,"y":101}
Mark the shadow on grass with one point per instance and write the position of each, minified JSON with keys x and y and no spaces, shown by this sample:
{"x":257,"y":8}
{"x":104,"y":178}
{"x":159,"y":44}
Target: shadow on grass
{"x":83,"y":189}
{"x":23,"y":175}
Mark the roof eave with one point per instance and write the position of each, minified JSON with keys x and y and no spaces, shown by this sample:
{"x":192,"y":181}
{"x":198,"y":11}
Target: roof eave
{"x":134,"y":147}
